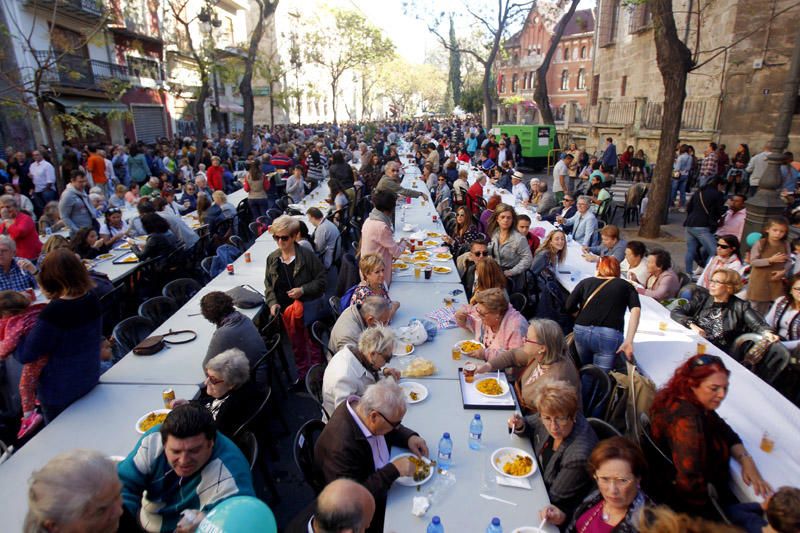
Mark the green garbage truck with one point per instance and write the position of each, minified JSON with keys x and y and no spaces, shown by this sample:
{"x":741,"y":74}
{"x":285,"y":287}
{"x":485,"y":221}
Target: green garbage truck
{"x":537,"y":141}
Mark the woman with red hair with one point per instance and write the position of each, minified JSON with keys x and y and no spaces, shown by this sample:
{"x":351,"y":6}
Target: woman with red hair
{"x":491,"y":205}
{"x":601,"y":302}
{"x":687,"y":429}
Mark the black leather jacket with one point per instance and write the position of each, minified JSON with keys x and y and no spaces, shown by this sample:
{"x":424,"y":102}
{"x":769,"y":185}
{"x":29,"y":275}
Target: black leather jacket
{"x":737,"y":317}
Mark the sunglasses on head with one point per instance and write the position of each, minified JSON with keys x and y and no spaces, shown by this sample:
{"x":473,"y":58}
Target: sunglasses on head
{"x":704,"y":360}
{"x":112,"y":210}
{"x":281,"y":238}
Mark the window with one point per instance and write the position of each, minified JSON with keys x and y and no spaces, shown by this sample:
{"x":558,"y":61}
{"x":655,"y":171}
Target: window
{"x":514,"y":83}
{"x":501,"y":85}
{"x":525,"y":81}
{"x":581,"y":79}
{"x":532,"y":79}
{"x":583,"y":52}
{"x":607,"y":31}
{"x":566,"y":53}
{"x":565,"y":80}
{"x":574,"y":54}
{"x":640,"y":18}
{"x":595,"y":88}
{"x":143,"y":68}
{"x":623,"y":85}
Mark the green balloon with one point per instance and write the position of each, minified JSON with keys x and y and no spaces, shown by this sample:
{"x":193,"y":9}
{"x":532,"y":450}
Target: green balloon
{"x":239,"y":514}
{"x":753,"y":238}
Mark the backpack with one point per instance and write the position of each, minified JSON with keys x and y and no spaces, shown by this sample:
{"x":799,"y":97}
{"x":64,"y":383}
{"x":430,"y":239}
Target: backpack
{"x":344,"y":303}
{"x":631,"y":395}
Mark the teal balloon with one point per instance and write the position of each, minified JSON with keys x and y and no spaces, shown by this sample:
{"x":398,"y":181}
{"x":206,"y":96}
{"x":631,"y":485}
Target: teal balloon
{"x":239,"y":514}
{"x":753,"y":238}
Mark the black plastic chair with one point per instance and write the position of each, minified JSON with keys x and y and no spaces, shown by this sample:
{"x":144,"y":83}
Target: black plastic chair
{"x":274,"y":349}
{"x":248,"y":444}
{"x":247,"y":425}
{"x":255,"y":229}
{"x":131,"y":332}
{"x":684,"y":278}
{"x":205,"y":265}
{"x":321,"y":334}
{"x":518,"y":301}
{"x":158,"y":309}
{"x":603,"y":429}
{"x":314,"y":385}
{"x":181,"y":290}
{"x":595,"y":390}
{"x":237,"y":241}
{"x":773,"y":363}
{"x":304,"y":442}
{"x":334,"y":302}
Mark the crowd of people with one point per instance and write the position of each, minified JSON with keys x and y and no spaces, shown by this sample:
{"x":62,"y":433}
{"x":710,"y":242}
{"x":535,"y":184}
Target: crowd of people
{"x":593,"y":484}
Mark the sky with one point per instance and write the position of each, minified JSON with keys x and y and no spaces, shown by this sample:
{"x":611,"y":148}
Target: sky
{"x":411,"y":37}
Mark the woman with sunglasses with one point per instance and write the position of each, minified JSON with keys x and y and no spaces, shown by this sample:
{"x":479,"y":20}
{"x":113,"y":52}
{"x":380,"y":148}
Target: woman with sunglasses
{"x":727,"y":257}
{"x":562,"y":441}
{"x":354,"y":368}
{"x":784,"y":315}
{"x":687,"y":429}
{"x":542,"y":357}
{"x":294,"y":274}
{"x":718,"y":315}
{"x":228,"y":392}
{"x":442,"y":191}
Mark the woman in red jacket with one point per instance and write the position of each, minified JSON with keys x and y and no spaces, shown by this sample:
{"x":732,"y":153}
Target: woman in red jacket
{"x":214,"y":175}
{"x":20,"y":227}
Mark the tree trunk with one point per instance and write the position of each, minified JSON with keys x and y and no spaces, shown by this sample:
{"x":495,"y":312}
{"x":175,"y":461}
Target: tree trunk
{"x":334,"y":85}
{"x":540,"y":94}
{"x":200,"y":105}
{"x":271,"y":108}
{"x":265,"y":10}
{"x":487,"y":95}
{"x":674,"y":61}
{"x":47,"y":127}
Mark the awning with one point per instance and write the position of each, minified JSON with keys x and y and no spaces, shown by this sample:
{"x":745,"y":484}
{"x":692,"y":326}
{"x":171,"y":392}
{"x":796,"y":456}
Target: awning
{"x":231,"y":108}
{"x":71,"y":105}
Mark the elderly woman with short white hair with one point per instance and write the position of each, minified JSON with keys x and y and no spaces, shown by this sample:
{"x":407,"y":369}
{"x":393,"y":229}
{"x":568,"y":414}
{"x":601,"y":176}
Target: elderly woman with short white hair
{"x":16,"y":273}
{"x":228,"y":392}
{"x":77,"y":490}
{"x":353,"y":368}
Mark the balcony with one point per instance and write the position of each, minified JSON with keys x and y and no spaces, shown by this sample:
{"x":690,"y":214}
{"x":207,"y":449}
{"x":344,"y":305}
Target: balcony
{"x":78,"y":72}
{"x":88,"y":10}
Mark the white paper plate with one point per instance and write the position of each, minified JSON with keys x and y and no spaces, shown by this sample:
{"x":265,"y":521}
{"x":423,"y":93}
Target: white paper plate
{"x":443,"y":273}
{"x":413,"y":386}
{"x":409,"y":481}
{"x":503,"y":455}
{"x":502,"y":383}
{"x":528,"y":529}
{"x":461,"y":343}
{"x":399,"y":349}
{"x":141,"y":419}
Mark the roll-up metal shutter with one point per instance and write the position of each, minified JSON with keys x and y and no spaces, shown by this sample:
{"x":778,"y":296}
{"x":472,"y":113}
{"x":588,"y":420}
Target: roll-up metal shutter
{"x":148,"y":122}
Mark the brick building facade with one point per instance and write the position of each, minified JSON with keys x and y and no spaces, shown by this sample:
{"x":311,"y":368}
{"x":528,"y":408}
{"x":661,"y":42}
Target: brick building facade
{"x":567,"y":78}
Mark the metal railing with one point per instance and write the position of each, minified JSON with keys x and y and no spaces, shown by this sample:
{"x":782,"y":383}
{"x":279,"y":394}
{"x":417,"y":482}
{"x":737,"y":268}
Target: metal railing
{"x":71,"y":70}
{"x":694,"y":112}
{"x":75,"y":7}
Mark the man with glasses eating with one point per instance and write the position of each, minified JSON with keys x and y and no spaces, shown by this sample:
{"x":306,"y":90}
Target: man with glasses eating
{"x":356,"y":443}
{"x":390,"y":182}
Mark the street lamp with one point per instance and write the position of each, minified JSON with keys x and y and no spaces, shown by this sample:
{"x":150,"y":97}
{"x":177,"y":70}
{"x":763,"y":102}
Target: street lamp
{"x":767,"y":201}
{"x":210,"y":20}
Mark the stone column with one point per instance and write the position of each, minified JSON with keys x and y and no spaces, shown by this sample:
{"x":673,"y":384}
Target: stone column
{"x":569,"y":113}
{"x":602,"y":116}
{"x":518,"y":108}
{"x":638,"y":114}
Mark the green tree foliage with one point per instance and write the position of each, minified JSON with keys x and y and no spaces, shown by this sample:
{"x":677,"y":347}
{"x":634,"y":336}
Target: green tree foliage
{"x":345,"y":40}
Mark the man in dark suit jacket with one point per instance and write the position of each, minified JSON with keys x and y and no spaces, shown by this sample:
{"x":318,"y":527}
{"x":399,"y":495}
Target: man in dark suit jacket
{"x":567,"y":210}
{"x":343,"y":505}
{"x":357,"y":440}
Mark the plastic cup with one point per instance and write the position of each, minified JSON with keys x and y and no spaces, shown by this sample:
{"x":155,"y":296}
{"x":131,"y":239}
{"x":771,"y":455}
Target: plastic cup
{"x":469,"y":372}
{"x":417,"y":272}
{"x":428,"y":272}
{"x":767,"y":443}
{"x":701,"y":348}
{"x":456,"y":353}
{"x":662,"y":326}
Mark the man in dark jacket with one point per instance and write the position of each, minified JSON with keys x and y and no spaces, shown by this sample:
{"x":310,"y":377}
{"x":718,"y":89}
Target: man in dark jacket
{"x":702,"y":215}
{"x":357,"y":440}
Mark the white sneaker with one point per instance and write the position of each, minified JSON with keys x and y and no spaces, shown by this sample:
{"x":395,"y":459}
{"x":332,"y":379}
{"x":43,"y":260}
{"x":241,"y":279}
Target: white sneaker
{"x":698,"y":271}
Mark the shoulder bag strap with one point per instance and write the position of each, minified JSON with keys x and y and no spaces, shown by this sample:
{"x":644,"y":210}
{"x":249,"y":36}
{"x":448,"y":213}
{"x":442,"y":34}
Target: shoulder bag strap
{"x":700,"y":194}
{"x":594,"y":293}
{"x":165,"y":335}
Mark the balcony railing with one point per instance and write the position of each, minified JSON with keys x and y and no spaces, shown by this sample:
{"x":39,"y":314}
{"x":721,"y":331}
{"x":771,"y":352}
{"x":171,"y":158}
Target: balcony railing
{"x":79,"y":8}
{"x":694,"y":112}
{"x":70,"y":70}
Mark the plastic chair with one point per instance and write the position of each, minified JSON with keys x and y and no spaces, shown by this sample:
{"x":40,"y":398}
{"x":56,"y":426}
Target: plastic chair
{"x":603,"y":429}
{"x":774,"y":362}
{"x":205,"y":265}
{"x":304,"y":442}
{"x":334,"y":302}
{"x":131,"y":332}
{"x":595,"y":390}
{"x":274,"y":349}
{"x":743,"y":343}
{"x":248,"y":444}
{"x":314,"y":385}
{"x":237,"y":241}
{"x":518,"y":301}
{"x":257,"y":412}
{"x":321,"y":334}
{"x":158,"y":309}
{"x":181,"y":290}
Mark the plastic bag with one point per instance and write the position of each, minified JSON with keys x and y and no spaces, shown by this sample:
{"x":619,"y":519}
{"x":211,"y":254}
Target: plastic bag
{"x":415,"y":333}
{"x":433,"y":493}
{"x":429,"y":325}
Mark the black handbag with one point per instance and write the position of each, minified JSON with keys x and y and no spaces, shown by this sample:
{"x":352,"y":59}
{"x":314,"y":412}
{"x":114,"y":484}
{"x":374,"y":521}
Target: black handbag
{"x":245,"y":297}
{"x":155,"y":343}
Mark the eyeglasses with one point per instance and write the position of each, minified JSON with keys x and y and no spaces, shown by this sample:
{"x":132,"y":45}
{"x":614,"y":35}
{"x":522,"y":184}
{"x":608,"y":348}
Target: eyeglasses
{"x":568,"y":200}
{"x":214,"y":381}
{"x":534,"y":342}
{"x":795,"y":289}
{"x":479,"y":254}
{"x":704,"y":360}
{"x":283,"y":238}
{"x":558,"y":420}
{"x":724,"y":246}
{"x":460,"y":215}
{"x":717,"y":282}
{"x":394,"y":425}
{"x":606,"y":481}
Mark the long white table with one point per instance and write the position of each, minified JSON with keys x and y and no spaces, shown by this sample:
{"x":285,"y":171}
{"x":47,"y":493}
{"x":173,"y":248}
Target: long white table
{"x":103,"y":420}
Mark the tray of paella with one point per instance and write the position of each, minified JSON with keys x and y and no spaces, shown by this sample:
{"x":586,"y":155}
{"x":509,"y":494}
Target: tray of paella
{"x":487,"y":391}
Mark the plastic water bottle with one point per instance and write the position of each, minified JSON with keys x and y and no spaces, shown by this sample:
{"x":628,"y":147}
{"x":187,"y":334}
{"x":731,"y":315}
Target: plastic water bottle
{"x":435,"y":526}
{"x":495,"y":526}
{"x":445,"y":451}
{"x":475,"y":432}
{"x":48,"y":231}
